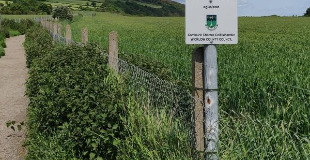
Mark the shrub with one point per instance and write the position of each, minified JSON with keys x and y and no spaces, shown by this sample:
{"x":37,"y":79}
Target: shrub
{"x":2,"y":43}
{"x":62,"y":12}
{"x":24,"y":25}
{"x":20,"y":27}
{"x":71,"y":89}
{"x":2,"y":53}
{"x":4,"y":33}
{"x":38,"y":42}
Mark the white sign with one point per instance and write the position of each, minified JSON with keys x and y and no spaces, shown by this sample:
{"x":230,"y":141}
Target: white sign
{"x":211,"y":22}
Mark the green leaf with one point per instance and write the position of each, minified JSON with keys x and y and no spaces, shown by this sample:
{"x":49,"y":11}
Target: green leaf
{"x":116,"y":142}
{"x":92,"y":155}
{"x":99,"y":158}
{"x":115,"y":126}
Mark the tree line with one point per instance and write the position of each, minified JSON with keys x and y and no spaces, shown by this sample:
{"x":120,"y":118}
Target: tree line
{"x":19,"y":7}
{"x":307,"y":14}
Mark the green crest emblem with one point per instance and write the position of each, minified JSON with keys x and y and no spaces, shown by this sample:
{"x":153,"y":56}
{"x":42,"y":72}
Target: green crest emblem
{"x":211,"y":22}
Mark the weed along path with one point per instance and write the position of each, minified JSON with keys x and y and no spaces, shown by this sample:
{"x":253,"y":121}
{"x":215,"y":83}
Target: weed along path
{"x":13,"y":103}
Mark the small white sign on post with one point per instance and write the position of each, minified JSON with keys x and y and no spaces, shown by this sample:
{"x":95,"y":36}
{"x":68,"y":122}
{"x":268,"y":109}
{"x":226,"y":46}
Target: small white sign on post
{"x":211,"y":22}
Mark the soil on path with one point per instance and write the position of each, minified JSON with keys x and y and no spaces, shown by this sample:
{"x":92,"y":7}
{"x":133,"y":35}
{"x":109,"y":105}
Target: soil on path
{"x":13,"y":102}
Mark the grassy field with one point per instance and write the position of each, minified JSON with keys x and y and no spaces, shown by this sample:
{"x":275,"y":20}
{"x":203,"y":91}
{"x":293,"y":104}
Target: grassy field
{"x":71,"y":3}
{"x":23,"y":16}
{"x":264,"y":80}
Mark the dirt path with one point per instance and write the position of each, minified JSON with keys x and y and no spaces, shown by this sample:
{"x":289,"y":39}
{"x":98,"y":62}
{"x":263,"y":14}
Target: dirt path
{"x":13,"y":103}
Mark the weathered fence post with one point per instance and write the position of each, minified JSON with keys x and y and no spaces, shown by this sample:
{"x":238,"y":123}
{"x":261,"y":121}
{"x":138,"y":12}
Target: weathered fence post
{"x":48,"y":26}
{"x":59,"y":33}
{"x":198,"y":94}
{"x":42,"y":23}
{"x":55,"y":31}
{"x":68,"y":34}
{"x":51,"y":27}
{"x":84,"y":36}
{"x":113,"y":51}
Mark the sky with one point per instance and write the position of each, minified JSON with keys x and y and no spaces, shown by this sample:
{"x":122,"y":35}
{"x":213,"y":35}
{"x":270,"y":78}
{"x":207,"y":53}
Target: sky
{"x":270,"y":7}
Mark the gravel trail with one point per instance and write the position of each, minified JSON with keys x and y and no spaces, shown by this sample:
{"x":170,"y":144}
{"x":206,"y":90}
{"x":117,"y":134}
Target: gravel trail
{"x":13,"y":102}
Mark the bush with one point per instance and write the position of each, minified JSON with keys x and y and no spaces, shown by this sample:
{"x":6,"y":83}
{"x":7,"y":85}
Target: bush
{"x":20,"y":27}
{"x":38,"y":42}
{"x":62,"y":12}
{"x":14,"y":33}
{"x":79,"y":109}
{"x":4,"y":33}
{"x":2,"y":43}
{"x":24,"y":25}
{"x":2,"y":53}
{"x":25,"y":7}
{"x":72,"y":90}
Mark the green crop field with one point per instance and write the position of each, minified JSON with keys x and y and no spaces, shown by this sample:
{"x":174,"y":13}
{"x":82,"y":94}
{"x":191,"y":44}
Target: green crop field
{"x":264,"y":80}
{"x":268,"y":48}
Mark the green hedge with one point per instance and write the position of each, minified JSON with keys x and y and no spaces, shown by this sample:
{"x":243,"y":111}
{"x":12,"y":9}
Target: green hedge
{"x":21,"y":26}
{"x":11,"y":28}
{"x":2,"y":41}
{"x":71,"y":89}
{"x":38,"y":42}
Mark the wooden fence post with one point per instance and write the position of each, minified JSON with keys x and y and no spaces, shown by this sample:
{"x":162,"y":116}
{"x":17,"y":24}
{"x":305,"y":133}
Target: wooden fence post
{"x":55,"y":27}
{"x":198,"y":94}
{"x":113,"y":51}
{"x":46,"y":25}
{"x":68,"y":34}
{"x":84,"y":36}
{"x":51,"y":27}
{"x":42,"y":23}
{"x":59,"y":33}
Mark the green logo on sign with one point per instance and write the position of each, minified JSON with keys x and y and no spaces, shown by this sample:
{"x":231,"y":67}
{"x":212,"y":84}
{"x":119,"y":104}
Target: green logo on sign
{"x":211,"y":22}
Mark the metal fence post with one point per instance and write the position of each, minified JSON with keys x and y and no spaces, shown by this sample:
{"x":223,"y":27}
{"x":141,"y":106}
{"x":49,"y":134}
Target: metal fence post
{"x":211,"y":102}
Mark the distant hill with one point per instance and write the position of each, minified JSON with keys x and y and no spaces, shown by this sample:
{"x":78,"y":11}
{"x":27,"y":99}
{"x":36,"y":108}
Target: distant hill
{"x":159,"y":8}
{"x":144,"y":7}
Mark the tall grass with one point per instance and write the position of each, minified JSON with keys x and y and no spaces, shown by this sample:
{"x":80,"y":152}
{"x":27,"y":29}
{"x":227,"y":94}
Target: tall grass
{"x":154,"y":134}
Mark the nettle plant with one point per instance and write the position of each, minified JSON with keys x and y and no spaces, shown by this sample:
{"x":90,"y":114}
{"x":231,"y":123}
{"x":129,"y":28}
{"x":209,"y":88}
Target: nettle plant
{"x":72,"y":89}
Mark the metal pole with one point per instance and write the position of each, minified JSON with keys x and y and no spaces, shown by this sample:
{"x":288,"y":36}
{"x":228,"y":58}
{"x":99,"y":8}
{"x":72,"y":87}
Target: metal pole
{"x":211,"y":102}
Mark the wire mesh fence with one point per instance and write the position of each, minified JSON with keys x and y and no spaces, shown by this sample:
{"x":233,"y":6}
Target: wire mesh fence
{"x":238,"y":137}
{"x":158,"y":93}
